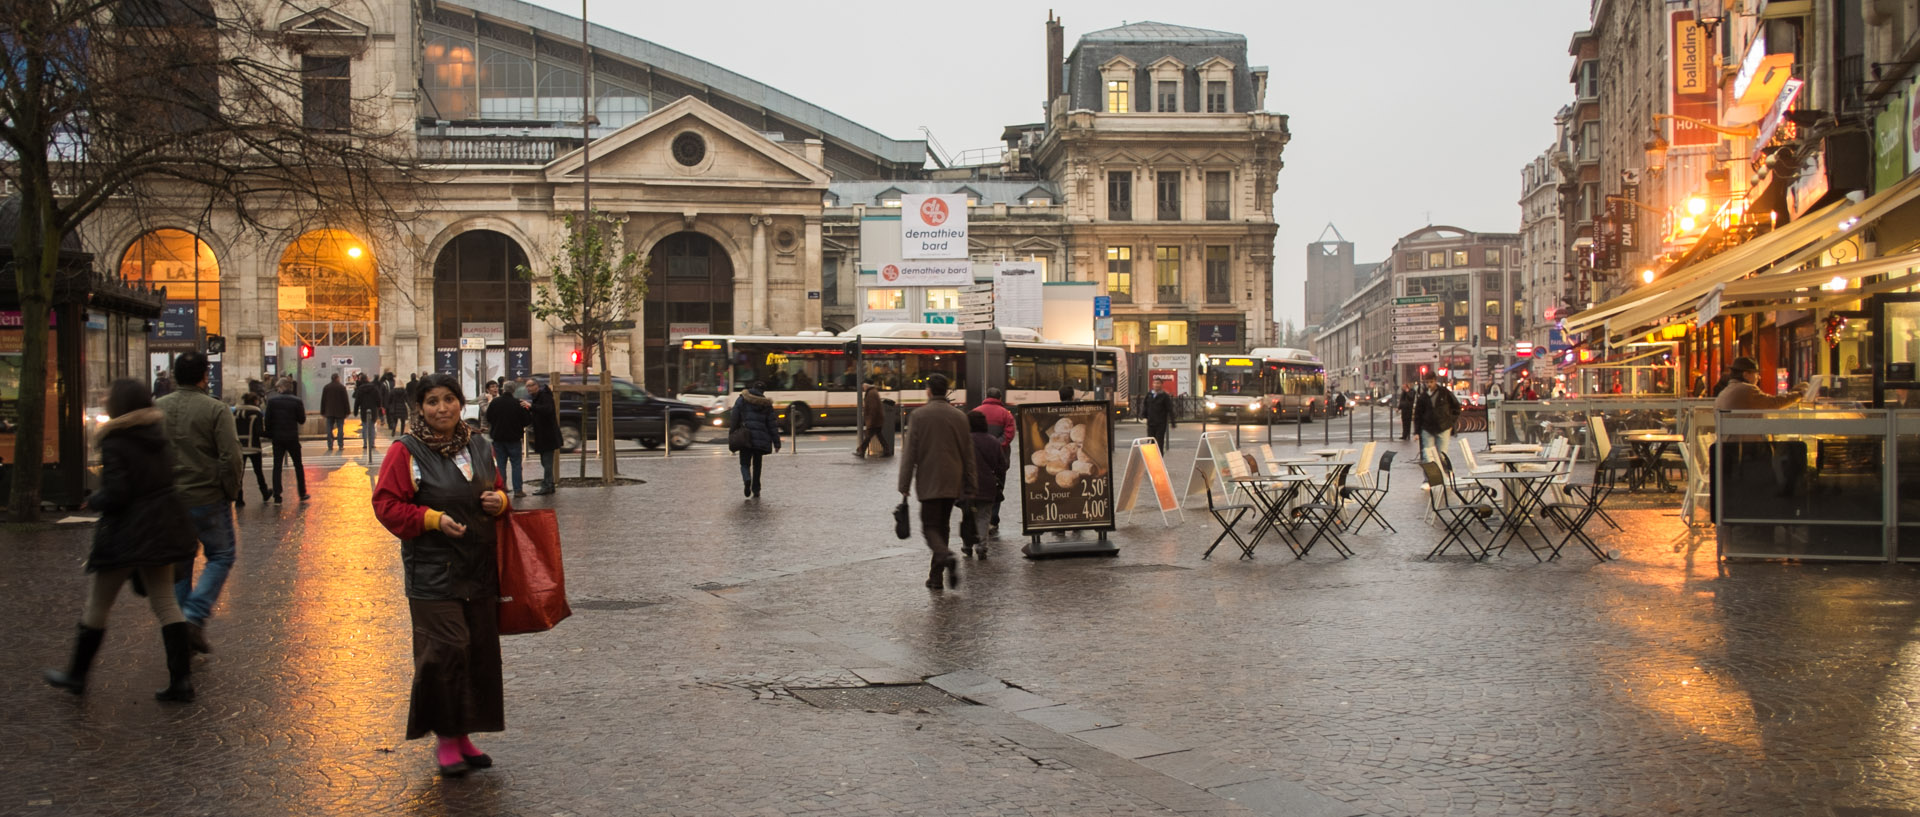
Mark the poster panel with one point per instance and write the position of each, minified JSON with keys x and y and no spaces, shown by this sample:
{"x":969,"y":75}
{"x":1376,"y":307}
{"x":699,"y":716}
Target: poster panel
{"x":1016,"y":294}
{"x":933,"y":226}
{"x":1066,"y":473}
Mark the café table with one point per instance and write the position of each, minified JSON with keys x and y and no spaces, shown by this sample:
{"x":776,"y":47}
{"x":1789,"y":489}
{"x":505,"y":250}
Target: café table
{"x":1516,"y":448}
{"x":1650,"y":446}
{"x":1327,"y":453}
{"x":1524,"y":490}
{"x":1271,"y":494}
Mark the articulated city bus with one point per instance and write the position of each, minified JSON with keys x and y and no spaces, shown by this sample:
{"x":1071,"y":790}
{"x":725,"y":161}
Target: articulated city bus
{"x":1263,"y":386}
{"x":818,"y":377}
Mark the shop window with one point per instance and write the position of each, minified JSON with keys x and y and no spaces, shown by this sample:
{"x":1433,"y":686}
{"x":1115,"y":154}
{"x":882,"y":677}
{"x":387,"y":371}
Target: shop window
{"x":1126,"y":334}
{"x":886,"y":299}
{"x":1167,"y":333}
{"x":1120,"y":273}
{"x":943,"y":300}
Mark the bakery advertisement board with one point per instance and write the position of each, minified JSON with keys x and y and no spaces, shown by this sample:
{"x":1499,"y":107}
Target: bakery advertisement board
{"x":1066,"y":466}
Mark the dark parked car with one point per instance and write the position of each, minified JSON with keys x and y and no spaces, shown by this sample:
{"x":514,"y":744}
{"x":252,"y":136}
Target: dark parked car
{"x":637,"y":415}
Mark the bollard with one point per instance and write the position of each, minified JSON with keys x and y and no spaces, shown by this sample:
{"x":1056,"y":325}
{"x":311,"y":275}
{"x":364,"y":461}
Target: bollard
{"x":793,"y":439}
{"x":1299,"y":423}
{"x":1349,"y":425}
{"x":1326,"y":428}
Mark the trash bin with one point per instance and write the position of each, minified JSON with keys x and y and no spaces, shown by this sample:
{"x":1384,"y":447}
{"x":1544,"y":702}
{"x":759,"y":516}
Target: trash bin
{"x":889,"y":425}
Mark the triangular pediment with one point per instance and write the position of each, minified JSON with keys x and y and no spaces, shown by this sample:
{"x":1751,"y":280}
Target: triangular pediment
{"x":690,"y":142}
{"x":323,"y":23}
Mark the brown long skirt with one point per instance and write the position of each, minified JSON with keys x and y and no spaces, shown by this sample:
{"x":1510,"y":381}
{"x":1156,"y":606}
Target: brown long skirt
{"x":457,"y":688}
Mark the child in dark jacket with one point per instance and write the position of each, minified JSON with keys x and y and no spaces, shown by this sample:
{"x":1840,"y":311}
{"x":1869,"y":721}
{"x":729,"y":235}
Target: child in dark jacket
{"x":979,"y":510}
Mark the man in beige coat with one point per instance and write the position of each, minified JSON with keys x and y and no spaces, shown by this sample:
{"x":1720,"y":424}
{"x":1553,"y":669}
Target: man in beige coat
{"x":938,"y":463}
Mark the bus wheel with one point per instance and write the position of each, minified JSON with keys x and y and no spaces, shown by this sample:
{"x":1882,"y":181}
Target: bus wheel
{"x":802,"y":416}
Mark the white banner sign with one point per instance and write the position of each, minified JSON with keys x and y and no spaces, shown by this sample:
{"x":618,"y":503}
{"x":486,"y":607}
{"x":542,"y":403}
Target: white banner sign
{"x":677,"y":332}
{"x":922,"y":274}
{"x":1016,"y":294}
{"x":933,"y":226}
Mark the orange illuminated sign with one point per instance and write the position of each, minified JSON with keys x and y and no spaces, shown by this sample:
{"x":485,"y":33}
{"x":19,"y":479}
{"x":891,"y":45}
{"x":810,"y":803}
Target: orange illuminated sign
{"x":699,"y":344}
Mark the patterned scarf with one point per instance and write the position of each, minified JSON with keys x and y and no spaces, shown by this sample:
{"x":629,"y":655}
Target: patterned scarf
{"x":449,"y":444}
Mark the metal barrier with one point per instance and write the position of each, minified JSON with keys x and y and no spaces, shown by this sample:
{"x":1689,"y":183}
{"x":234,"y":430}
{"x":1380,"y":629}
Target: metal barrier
{"x":1539,"y":421}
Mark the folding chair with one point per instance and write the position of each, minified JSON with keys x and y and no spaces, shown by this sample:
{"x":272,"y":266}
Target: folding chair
{"x":1323,"y":513}
{"x":1458,"y":516}
{"x":1467,"y":491}
{"x":1366,"y":496}
{"x":1227,"y":523}
{"x":1573,"y":517}
{"x":1611,"y":458}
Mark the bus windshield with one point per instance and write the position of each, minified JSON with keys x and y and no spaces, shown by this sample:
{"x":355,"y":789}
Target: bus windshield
{"x":703,"y":370}
{"x":1236,"y":380}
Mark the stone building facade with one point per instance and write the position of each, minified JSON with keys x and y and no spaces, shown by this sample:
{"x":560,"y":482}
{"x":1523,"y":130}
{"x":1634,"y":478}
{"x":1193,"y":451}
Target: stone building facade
{"x":745,"y":200}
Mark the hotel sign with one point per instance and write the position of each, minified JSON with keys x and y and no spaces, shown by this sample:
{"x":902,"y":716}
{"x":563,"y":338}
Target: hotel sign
{"x":1694,"y":93}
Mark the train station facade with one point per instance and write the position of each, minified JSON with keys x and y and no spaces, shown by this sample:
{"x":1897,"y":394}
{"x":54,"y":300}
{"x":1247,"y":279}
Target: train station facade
{"x":738,"y":194}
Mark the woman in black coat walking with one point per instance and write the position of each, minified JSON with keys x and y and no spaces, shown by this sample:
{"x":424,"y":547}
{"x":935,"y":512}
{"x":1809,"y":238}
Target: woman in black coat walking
{"x":755,"y":434}
{"x":144,"y":529}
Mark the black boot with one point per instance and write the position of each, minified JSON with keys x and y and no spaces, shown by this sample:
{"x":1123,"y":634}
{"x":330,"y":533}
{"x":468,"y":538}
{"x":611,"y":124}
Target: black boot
{"x":953,"y":572}
{"x":933,"y":574}
{"x":179,"y":664}
{"x":86,"y":644}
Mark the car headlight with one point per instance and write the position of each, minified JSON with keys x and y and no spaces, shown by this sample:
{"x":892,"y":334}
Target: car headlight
{"x":1254,"y":406}
{"x":1212,"y":405}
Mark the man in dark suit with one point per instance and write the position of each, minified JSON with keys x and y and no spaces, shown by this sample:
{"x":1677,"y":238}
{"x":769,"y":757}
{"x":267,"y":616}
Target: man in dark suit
{"x":1160,"y":416}
{"x":285,"y":415}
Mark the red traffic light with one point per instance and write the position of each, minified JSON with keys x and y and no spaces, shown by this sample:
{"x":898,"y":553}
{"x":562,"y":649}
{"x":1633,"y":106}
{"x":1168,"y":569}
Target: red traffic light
{"x":574,"y":357}
{"x":306,"y":351}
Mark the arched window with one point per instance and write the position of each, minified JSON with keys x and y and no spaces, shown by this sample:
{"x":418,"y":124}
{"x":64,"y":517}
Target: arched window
{"x":181,"y":262}
{"x":559,"y":93}
{"x":474,"y":282}
{"x":617,"y":105}
{"x":450,"y":77}
{"x":506,"y":85}
{"x":329,"y":292}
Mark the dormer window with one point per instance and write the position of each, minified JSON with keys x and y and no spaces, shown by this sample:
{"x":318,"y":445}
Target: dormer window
{"x":1216,"y":85}
{"x":1117,"y":76}
{"x":1169,"y":75}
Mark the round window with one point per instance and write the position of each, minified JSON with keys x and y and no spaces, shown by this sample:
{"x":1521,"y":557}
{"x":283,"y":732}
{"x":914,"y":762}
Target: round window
{"x":784,"y":240}
{"x":689,"y":149}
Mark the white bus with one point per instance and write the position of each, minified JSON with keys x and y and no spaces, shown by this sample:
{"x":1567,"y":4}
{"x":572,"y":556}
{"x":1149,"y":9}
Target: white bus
{"x":818,"y":377}
{"x":1264,"y":385}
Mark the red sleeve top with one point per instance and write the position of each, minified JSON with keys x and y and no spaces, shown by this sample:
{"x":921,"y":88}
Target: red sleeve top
{"x":393,"y":496}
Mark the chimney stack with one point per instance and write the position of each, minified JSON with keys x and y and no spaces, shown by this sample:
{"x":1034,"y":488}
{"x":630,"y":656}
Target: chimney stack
{"x":1056,"y":55}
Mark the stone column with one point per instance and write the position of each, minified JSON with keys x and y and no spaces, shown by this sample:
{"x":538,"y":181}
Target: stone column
{"x":810,"y":274}
{"x":760,"y":273}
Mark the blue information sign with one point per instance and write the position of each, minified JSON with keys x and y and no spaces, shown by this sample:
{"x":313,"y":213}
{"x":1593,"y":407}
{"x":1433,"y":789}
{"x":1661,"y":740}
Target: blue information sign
{"x":1102,"y":306}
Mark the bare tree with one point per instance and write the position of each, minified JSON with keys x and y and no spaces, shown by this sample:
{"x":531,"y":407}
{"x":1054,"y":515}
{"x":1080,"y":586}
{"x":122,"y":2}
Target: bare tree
{"x":189,"y":105}
{"x":597,"y":284}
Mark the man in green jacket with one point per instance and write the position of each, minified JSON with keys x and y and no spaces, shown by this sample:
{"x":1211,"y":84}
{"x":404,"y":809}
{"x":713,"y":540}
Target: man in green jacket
{"x":207,"y":470}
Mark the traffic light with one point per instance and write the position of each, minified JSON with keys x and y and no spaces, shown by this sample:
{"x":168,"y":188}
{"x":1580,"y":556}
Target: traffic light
{"x":575,"y":357}
{"x":1424,"y":370}
{"x":306,"y":351}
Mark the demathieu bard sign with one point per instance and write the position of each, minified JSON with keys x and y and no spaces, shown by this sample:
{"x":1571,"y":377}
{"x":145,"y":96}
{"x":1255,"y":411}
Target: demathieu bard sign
{"x":933,"y":226}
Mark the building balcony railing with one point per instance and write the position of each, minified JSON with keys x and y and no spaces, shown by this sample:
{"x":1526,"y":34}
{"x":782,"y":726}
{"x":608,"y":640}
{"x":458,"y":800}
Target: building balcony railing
{"x":507,"y":150}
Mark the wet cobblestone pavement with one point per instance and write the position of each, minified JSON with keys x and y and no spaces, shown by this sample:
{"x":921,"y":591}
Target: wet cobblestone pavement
{"x":1153,"y":683}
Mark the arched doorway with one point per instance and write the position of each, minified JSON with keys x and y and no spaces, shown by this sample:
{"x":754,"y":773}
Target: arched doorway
{"x":479,"y":293}
{"x":328,"y":296}
{"x":689,"y":291}
{"x":186,"y":266}
{"x":329,"y":292}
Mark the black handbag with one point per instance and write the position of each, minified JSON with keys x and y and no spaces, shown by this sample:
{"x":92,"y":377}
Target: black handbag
{"x":901,"y":528}
{"x":739,"y":439}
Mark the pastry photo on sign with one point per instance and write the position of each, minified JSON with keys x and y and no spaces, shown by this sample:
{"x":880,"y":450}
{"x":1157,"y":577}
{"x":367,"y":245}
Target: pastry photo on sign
{"x":1066,"y":451}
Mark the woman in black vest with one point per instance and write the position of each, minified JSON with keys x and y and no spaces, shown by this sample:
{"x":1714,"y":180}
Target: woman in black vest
{"x":439,"y":492}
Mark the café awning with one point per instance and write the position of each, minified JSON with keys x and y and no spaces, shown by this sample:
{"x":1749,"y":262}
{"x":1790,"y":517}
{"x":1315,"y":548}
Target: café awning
{"x":1788,"y":248}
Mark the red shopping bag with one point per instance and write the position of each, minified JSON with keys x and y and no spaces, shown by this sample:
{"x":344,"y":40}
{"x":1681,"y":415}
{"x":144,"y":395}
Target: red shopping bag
{"x":533,"y":584}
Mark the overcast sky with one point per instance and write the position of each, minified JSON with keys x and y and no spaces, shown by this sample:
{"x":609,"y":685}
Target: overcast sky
{"x":1403,"y":112}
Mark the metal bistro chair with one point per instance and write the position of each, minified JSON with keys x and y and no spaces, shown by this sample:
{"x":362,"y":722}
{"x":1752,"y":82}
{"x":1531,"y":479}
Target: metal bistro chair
{"x":1220,"y":512}
{"x":1573,"y":517}
{"x":1458,"y":516}
{"x":1613,"y":459}
{"x":1367,"y":495}
{"x":1323,"y":513}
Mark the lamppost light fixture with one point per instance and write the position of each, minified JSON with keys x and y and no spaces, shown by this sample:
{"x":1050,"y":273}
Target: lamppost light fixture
{"x":1646,"y":275}
{"x":1696,"y":205}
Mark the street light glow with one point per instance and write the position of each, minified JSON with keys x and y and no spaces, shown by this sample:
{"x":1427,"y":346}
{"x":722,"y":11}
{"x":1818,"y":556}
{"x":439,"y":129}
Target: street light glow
{"x":1646,"y":275}
{"x":354,"y":252}
{"x":1696,"y":205}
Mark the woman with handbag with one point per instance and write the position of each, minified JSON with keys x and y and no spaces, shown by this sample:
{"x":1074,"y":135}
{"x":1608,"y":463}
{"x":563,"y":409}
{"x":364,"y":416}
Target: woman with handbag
{"x":441,"y":494}
{"x":144,"y":529}
{"x":755,"y":434}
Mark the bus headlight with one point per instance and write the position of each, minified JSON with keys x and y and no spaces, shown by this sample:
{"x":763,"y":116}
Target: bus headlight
{"x":1253,"y":406}
{"x":1212,"y":405}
